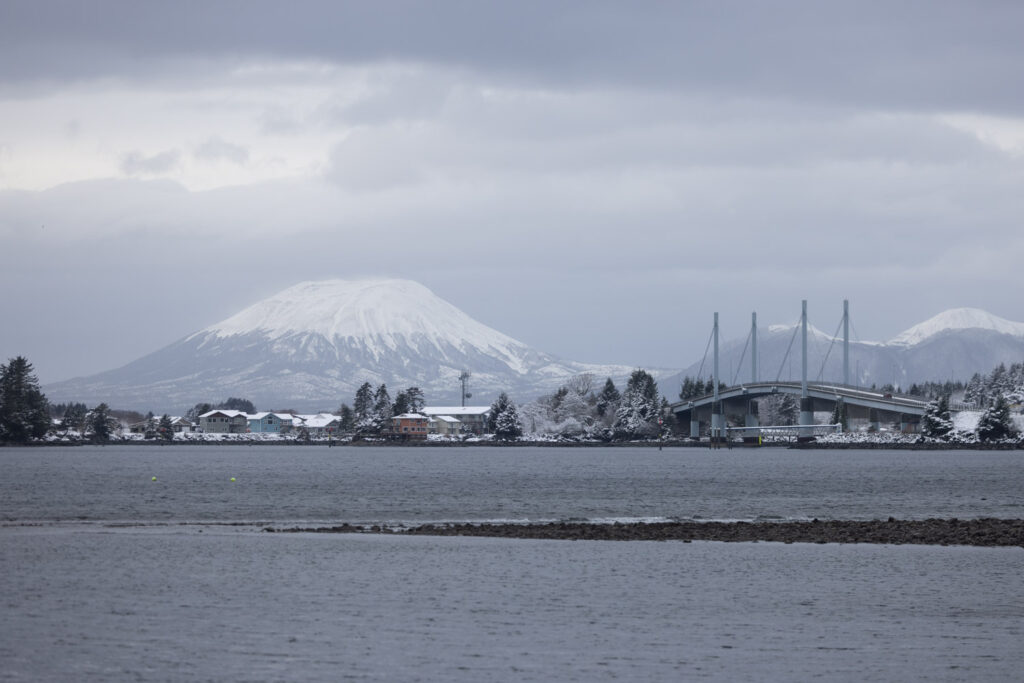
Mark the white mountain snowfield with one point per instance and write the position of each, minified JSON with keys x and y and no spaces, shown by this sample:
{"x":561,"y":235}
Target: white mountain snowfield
{"x":957,"y":319}
{"x":381,"y":315}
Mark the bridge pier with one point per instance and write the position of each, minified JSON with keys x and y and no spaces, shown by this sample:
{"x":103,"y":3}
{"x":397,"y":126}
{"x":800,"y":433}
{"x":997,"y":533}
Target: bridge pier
{"x":806,"y":419}
{"x":752,"y":434}
{"x":694,"y":423}
{"x":874,"y":425}
{"x":717,"y":422}
{"x":909,"y":424}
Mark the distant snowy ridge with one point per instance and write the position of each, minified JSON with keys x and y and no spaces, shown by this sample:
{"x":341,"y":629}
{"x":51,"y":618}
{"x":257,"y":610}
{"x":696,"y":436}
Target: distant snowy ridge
{"x":957,"y":319}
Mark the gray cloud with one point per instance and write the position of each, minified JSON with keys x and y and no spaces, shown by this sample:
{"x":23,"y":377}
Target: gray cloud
{"x":594,"y":178}
{"x":922,"y":54}
{"x":216,"y":149}
{"x":136,"y":163}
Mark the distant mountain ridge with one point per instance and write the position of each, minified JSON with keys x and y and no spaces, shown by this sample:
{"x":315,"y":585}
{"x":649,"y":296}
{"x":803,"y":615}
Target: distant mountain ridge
{"x":310,"y":346}
{"x":954,"y":344}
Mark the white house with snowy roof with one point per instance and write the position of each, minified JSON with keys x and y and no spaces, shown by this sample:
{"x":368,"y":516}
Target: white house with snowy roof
{"x":319,"y":424}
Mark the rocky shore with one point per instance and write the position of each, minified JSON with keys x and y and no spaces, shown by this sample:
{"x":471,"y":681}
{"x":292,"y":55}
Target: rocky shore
{"x":974,"y":532}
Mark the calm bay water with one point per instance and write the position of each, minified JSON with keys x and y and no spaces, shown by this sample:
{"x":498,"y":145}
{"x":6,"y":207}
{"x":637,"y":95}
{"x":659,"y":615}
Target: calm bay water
{"x":372,"y":485}
{"x":101,"y":581}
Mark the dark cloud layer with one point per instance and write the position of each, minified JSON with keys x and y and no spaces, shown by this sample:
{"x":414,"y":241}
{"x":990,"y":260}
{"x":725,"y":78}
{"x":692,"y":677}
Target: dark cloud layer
{"x":919,"y":54}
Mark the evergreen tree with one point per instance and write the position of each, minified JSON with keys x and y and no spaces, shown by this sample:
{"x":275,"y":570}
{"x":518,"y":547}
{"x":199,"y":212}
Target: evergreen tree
{"x":165,"y":429}
{"x":503,"y":421}
{"x":608,"y":398}
{"x":936,"y":421}
{"x":383,"y":410}
{"x":240,"y":404}
{"x":24,"y":411}
{"x":192,"y":415}
{"x":779,"y":410}
{"x":839,"y":414}
{"x":362,"y":407}
{"x":416,"y":400}
{"x":346,"y":419}
{"x":401,"y":403}
{"x":74,"y":417}
{"x":995,"y":422}
{"x":101,"y":423}
{"x":638,"y":410}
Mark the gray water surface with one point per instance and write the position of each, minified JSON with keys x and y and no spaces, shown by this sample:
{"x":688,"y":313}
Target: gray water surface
{"x":106,"y":575}
{"x":414,"y":485}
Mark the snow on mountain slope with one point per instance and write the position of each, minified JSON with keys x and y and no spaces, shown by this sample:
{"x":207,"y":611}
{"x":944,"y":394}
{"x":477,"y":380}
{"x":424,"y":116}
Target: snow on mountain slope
{"x":380,"y":315}
{"x":957,"y":319}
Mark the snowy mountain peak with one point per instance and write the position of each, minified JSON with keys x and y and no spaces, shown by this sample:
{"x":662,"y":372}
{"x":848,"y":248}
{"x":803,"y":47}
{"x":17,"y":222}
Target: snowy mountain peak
{"x":381,"y":311}
{"x":957,"y":319}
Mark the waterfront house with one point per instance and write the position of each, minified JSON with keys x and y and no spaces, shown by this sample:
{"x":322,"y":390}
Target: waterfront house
{"x":473,"y":418}
{"x":269,"y":423}
{"x":224,"y":422}
{"x":409,"y":426}
{"x":321,"y":424}
{"x":445,"y":426}
{"x":178,"y":425}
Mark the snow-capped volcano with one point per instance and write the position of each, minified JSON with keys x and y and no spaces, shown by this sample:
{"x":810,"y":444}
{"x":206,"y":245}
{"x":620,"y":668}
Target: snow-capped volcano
{"x":382,"y":316}
{"x":957,"y":319}
{"x":312,"y":345}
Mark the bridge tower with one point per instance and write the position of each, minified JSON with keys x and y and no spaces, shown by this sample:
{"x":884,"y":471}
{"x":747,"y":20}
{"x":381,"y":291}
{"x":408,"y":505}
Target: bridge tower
{"x":751,"y":433}
{"x":717,"y":417}
{"x":806,"y":402}
{"x":846,"y":342}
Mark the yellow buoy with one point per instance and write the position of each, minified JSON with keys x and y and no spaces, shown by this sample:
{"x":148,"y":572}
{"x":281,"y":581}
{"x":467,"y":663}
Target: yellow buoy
{"x":232,"y":478}
{"x":154,"y":478}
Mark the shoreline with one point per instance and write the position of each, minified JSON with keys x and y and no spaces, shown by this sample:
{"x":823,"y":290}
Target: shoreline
{"x":985,"y":532}
{"x":677,"y":444}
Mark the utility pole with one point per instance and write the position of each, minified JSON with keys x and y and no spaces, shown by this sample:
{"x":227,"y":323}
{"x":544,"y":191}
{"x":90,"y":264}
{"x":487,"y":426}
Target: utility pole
{"x":464,"y":379}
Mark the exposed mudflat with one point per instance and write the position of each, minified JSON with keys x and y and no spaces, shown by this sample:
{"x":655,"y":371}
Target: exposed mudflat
{"x":975,"y":532}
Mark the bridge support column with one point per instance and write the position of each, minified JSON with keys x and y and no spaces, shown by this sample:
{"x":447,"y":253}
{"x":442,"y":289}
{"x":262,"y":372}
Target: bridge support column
{"x":909,"y":424}
{"x":752,"y":434}
{"x":694,"y":425}
{"x":874,"y":424}
{"x":806,"y":419}
{"x":717,"y":423}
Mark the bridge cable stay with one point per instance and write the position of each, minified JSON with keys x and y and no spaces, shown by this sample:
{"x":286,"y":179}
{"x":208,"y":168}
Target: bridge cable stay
{"x":742,"y":356}
{"x":829,"y":352}
{"x":782,"y":366}
{"x":707,"y":346}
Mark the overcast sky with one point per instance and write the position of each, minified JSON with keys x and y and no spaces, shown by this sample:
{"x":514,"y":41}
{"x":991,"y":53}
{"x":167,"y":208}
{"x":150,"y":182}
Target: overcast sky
{"x":594,"y":179}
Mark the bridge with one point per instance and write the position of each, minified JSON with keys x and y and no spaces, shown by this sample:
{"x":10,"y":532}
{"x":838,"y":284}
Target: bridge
{"x":738,"y":405}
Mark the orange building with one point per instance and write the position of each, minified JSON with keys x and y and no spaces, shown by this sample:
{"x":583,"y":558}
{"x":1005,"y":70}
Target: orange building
{"x":409,"y":426}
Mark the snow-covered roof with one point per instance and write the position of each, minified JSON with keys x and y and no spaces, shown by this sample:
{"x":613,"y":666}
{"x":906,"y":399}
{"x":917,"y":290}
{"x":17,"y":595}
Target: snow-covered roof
{"x":318,"y":421}
{"x":284,"y":417}
{"x":457,"y":410}
{"x":226,"y":413}
{"x":446,"y":418}
{"x":410,"y":416}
